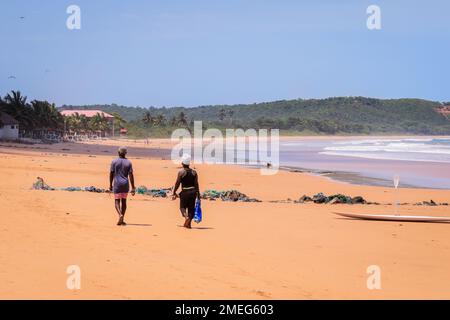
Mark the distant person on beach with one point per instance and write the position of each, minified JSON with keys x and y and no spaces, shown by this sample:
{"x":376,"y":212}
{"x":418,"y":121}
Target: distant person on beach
{"x":121,"y":169}
{"x":190,"y":191}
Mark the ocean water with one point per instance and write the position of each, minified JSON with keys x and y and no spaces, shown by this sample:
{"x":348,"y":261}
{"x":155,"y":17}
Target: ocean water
{"x":422,"y":150}
{"x":420,"y":162}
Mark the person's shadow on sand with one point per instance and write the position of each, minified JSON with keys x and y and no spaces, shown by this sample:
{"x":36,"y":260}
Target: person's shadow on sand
{"x":139,"y":224}
{"x":197,"y":228}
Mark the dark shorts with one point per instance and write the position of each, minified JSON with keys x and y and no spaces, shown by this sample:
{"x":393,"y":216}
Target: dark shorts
{"x":121,"y":187}
{"x":187,"y":201}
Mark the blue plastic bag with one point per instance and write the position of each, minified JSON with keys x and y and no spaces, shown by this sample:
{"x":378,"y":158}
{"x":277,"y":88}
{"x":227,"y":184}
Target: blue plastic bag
{"x":198,"y":212}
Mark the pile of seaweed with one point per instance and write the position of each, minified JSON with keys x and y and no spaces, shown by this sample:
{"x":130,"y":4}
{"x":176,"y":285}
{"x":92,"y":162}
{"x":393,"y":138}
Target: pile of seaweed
{"x":227,"y":195}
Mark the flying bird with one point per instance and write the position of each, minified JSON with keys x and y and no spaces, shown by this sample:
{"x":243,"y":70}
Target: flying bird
{"x":22,"y":17}
{"x":12,"y":77}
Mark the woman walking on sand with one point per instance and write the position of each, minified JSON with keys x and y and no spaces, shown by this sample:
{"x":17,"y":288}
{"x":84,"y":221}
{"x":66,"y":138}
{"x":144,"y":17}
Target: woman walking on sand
{"x":121,"y":169}
{"x":190,"y":191}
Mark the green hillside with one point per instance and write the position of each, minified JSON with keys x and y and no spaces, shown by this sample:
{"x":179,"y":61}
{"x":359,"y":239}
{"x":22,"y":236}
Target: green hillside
{"x":342,"y":115}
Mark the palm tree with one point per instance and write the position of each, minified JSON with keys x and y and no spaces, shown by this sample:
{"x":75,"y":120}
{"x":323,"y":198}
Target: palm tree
{"x":46,"y":115}
{"x":104,"y":124}
{"x":230,"y":114}
{"x":75,"y":122}
{"x":2,"y":106}
{"x":84,"y":123}
{"x":17,"y":107}
{"x":160,"y":120}
{"x":99,"y":123}
{"x":16,"y":99}
{"x":118,"y":120}
{"x":147,"y":118}
{"x":222,"y":114}
{"x":34,"y":118}
{"x":182,"y":119}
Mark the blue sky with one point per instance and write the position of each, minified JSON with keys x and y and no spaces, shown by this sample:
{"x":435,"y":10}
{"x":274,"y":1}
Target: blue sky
{"x":189,"y":53}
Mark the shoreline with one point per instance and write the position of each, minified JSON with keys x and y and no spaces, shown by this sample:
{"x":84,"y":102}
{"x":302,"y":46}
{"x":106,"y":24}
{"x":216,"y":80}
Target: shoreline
{"x":159,"y":148}
{"x":352,"y":178}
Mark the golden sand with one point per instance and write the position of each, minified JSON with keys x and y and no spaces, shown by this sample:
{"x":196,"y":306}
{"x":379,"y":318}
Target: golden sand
{"x":240,"y":250}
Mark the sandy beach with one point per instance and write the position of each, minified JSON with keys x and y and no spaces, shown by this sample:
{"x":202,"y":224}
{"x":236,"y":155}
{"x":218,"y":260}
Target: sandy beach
{"x":267,"y":250}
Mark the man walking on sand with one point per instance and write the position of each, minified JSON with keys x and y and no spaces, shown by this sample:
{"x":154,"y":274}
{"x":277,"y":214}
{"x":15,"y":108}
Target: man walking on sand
{"x":121,"y":169}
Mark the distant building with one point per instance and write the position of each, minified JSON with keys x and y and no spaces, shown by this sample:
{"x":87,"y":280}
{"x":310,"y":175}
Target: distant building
{"x":445,"y":111}
{"x":90,"y":114}
{"x":9,"y":127}
{"x":87,"y":113}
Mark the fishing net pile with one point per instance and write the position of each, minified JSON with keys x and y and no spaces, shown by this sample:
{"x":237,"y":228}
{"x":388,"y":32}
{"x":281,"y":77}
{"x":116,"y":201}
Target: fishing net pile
{"x":332,"y":199}
{"x":156,"y":193}
{"x":234,"y":195}
{"x":227,"y":195}
{"x":41,"y":185}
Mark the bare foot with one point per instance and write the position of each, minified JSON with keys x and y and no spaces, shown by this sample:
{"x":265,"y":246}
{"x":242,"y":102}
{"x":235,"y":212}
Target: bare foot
{"x":120,"y":222}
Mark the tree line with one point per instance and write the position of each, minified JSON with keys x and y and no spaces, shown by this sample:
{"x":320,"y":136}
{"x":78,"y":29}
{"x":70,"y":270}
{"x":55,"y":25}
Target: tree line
{"x":336,"y":115}
{"x":34,"y":116}
{"x":340,"y":115}
{"x":38,"y":118}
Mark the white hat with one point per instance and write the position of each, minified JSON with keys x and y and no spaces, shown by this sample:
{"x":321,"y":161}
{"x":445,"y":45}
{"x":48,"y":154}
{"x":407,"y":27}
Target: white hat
{"x":186,"y":159}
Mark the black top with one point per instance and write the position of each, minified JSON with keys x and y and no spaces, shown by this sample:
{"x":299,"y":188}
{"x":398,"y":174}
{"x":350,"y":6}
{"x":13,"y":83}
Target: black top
{"x":188,"y":179}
